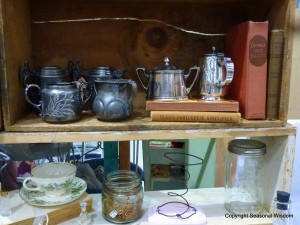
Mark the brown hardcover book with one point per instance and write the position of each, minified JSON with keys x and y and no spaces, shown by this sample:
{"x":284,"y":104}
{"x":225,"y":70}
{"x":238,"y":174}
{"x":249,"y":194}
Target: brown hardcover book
{"x":194,"y":105}
{"x":275,"y":60}
{"x":182,"y":116}
{"x":247,"y":45}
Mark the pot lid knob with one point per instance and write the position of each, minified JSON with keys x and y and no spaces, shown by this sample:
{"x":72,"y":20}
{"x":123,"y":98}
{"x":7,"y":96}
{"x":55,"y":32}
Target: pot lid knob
{"x":166,"y":60}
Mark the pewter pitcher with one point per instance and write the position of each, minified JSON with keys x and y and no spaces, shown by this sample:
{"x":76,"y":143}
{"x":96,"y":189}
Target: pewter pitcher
{"x":217,"y":74}
{"x":114,"y":99}
{"x":166,"y":82}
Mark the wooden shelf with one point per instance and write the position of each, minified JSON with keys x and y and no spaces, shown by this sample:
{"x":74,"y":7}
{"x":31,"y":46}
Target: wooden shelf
{"x":127,"y":34}
{"x":143,"y":134}
{"x":140,"y":121}
{"x":211,"y":201}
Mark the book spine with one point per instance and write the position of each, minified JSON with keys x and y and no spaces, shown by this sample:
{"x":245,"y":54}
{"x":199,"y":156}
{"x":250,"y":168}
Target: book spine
{"x":181,"y":116}
{"x":247,"y":45}
{"x":275,"y":59}
{"x":257,"y":74}
{"x":194,"y":106}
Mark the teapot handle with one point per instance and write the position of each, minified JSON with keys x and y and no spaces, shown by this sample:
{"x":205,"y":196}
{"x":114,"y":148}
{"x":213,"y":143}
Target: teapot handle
{"x":71,"y":68}
{"x":26,"y":73}
{"x":78,"y":71}
{"x":188,"y":89}
{"x":119,"y":72}
{"x":84,"y":95}
{"x":28,"y":87}
{"x":229,"y":67}
{"x":133,"y":91}
{"x":145,"y":74}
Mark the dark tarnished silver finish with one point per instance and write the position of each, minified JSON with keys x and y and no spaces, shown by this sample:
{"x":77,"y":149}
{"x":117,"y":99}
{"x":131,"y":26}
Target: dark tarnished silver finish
{"x":114,"y":99}
{"x":59,"y":103}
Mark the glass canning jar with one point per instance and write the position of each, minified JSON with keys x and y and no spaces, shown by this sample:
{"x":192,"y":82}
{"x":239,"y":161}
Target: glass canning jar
{"x":243,"y":176}
{"x":122,"y":196}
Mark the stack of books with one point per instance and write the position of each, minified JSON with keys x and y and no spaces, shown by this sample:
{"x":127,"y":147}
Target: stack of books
{"x":194,"y":110}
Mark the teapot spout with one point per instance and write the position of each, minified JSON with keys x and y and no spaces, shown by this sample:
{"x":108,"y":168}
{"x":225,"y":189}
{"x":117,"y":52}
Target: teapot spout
{"x":119,"y":72}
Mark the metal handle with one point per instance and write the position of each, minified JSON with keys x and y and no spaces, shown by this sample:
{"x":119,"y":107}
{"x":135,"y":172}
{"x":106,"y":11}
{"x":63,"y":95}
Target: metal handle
{"x":78,"y":71}
{"x":119,"y":72}
{"x":145,"y":74}
{"x":26,"y":73}
{"x":134,"y":89}
{"x":86,"y":95}
{"x":187,"y":75}
{"x":71,"y":68}
{"x":229,"y":67}
{"x":28,"y":87}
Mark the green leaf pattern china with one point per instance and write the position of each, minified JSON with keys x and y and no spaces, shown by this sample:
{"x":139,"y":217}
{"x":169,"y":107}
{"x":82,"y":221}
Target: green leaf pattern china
{"x":75,"y":188}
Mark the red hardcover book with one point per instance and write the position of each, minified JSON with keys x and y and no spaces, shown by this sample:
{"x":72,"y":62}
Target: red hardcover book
{"x":247,"y":46}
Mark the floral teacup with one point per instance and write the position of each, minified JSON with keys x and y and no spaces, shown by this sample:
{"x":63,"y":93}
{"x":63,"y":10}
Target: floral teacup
{"x":53,"y":179}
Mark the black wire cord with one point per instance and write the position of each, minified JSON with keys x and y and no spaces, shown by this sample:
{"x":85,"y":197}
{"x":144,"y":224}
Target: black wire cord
{"x":99,"y":145}
{"x":189,"y":209}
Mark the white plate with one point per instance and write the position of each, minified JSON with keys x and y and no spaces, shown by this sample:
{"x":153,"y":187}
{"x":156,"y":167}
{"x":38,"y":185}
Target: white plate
{"x":37,"y":198}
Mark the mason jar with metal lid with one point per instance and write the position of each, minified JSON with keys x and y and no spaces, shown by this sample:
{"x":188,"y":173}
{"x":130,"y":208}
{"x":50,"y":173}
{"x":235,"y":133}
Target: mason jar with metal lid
{"x":122,"y":196}
{"x":243,"y":176}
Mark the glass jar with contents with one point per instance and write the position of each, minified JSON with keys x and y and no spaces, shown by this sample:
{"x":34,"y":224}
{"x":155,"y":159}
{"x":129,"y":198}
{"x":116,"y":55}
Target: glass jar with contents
{"x":122,"y":196}
{"x":243,"y":176}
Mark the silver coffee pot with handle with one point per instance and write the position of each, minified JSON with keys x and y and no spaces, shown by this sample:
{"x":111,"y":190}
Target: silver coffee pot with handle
{"x":166,"y":82}
{"x":217,"y":74}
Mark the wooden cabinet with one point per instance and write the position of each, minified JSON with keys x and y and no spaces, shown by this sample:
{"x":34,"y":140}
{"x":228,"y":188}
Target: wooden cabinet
{"x":131,"y":34}
{"x":127,"y":34}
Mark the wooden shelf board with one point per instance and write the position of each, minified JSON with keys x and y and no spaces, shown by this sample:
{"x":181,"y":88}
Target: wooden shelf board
{"x":139,"y":122}
{"x":133,"y":133}
{"x":211,"y":201}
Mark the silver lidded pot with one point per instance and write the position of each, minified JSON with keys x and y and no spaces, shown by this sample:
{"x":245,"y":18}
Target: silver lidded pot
{"x":97,"y":73}
{"x":44,"y":75}
{"x":61,"y":102}
{"x":166,"y":82}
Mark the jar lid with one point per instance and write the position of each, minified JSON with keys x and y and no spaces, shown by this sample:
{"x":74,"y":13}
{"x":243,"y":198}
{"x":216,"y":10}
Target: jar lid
{"x":247,"y":147}
{"x":101,"y":71}
{"x":51,"y":71}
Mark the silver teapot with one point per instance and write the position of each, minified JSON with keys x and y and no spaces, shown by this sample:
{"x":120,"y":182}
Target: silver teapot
{"x":166,"y":82}
{"x":217,"y":74}
{"x":61,"y":102}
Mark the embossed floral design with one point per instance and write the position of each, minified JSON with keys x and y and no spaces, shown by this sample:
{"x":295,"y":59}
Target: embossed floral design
{"x":61,"y":105}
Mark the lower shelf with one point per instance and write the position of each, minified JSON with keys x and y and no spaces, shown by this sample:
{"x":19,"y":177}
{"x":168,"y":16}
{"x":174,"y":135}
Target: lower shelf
{"x":210,"y":200}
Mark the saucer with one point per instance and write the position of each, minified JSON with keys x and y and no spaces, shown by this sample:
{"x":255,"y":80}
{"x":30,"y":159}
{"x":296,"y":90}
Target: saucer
{"x":37,"y":198}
